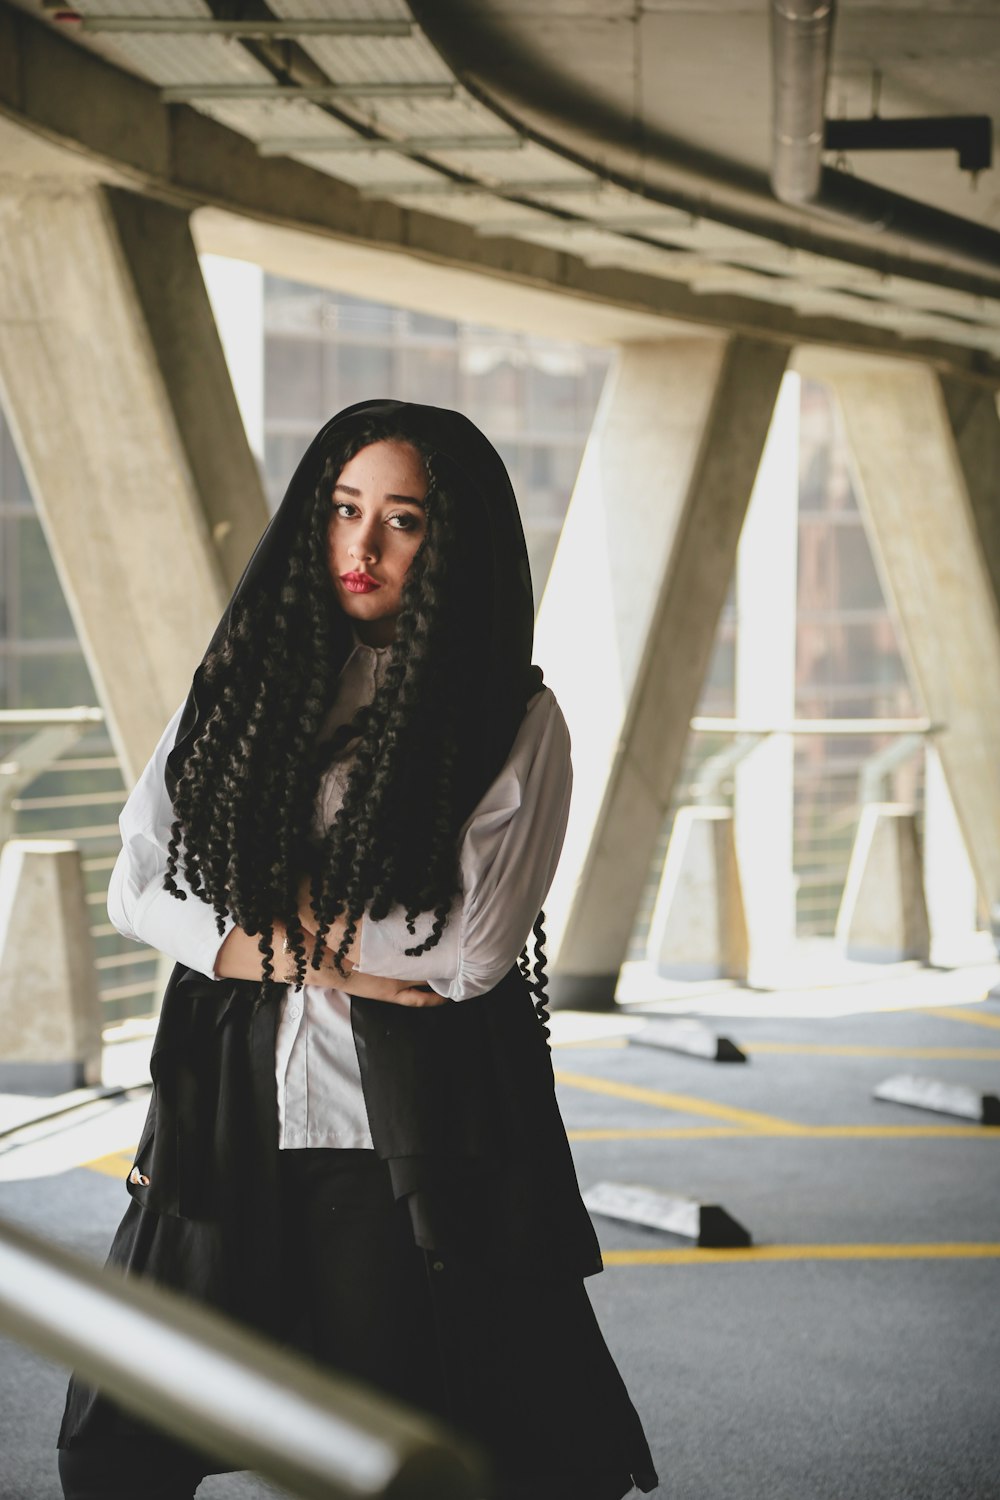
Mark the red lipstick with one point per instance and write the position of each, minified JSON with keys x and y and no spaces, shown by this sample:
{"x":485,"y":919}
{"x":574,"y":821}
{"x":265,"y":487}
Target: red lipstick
{"x":359,"y":583}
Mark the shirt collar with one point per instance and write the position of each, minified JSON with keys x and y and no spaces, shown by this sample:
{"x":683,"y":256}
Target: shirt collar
{"x":359,"y":644}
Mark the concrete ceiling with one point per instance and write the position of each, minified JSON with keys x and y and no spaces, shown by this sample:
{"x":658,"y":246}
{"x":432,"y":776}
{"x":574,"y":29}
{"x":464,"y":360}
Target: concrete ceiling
{"x":678,"y":86}
{"x":624,"y":135}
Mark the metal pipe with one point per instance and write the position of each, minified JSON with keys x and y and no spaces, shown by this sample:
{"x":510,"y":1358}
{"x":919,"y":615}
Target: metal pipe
{"x":206,"y":1380}
{"x":186,"y":93}
{"x":801,"y":34}
{"x":801,"y":37}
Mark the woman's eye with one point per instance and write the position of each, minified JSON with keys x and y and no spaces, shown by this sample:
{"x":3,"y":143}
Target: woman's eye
{"x":340,"y":505}
{"x":408,"y":522}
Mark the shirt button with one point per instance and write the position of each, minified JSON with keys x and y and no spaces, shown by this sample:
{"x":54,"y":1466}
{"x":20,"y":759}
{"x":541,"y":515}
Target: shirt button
{"x":294,"y":1011}
{"x":439,"y":1265}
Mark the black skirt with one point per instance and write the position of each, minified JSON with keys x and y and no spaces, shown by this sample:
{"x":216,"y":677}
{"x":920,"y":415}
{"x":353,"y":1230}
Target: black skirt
{"x":516,"y":1363}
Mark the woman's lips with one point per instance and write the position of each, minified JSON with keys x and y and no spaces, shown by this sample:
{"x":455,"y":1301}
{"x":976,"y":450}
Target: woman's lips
{"x":359,"y":583}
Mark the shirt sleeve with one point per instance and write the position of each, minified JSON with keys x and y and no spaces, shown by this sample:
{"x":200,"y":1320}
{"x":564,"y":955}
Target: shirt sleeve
{"x":510,"y":847}
{"x":138,"y":904}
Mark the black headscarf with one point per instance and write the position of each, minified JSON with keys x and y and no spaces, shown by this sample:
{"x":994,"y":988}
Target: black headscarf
{"x":493,"y":567}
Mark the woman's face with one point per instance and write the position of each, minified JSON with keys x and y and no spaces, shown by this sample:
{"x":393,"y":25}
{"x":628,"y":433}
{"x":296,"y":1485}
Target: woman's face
{"x":376,"y":525}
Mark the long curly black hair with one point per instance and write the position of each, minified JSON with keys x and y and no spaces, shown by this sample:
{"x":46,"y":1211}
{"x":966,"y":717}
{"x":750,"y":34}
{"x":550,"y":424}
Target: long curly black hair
{"x":245,"y":797}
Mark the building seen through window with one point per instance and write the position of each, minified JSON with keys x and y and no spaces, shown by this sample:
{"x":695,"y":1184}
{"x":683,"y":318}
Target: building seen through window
{"x":534,"y":398}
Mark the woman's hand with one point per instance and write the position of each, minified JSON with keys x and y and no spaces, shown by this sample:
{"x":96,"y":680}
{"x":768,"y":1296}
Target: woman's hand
{"x":419,"y":996}
{"x":370,"y":986}
{"x":395,"y":991}
{"x":239,"y":957}
{"x":335,"y":931}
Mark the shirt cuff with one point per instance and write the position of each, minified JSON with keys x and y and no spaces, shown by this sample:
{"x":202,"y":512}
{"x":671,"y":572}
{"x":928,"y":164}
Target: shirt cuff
{"x":189,"y":936}
{"x":382,"y":945}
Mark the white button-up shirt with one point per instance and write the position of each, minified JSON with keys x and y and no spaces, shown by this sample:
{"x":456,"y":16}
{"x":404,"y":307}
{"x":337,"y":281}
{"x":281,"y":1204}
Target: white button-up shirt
{"x":509,"y":849}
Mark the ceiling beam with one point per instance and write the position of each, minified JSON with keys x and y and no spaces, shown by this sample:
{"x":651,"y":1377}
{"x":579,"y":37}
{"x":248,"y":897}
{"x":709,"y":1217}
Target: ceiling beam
{"x":213,"y":26}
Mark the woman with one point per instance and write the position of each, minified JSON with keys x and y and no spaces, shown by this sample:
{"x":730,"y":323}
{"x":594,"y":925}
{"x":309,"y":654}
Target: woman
{"x":344,"y":837}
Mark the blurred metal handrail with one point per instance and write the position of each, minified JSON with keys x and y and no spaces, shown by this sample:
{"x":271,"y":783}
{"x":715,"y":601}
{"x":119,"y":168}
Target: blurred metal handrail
{"x":228,"y":1391}
{"x":714,"y":724}
{"x":82,"y":713}
{"x":705,"y":789}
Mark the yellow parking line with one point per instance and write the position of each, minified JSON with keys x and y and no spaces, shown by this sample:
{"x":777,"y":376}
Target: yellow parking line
{"x":117,"y":1164}
{"x":686,"y":1104}
{"x":792,"y":1132}
{"x":978,"y":1054}
{"x":944,"y":1251}
{"x":597,"y":1044}
{"x":962,"y":1013}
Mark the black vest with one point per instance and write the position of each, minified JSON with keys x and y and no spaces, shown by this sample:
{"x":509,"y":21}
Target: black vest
{"x":460,"y":1101}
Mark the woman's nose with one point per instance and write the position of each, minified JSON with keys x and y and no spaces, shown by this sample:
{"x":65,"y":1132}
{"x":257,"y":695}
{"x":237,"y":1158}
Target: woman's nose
{"x":362,"y":546}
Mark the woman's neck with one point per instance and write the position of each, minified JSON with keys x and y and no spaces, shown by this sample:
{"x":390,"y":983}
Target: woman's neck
{"x":376,"y":633}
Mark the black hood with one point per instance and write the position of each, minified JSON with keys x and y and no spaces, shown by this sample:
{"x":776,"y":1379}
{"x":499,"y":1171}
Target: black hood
{"x":493,"y":556}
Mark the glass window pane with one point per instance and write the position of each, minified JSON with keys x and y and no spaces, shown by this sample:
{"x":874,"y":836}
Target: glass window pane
{"x":293,"y":379}
{"x":364,"y":373}
{"x":552,"y":383}
{"x":43,"y":614}
{"x":362,"y":316}
{"x":429,"y":375}
{"x":56,"y":679}
{"x":292,"y":307}
{"x":13,"y":484}
{"x":282,"y":451}
{"x":492,"y":388}
{"x":836,"y":569}
{"x":424,"y":326}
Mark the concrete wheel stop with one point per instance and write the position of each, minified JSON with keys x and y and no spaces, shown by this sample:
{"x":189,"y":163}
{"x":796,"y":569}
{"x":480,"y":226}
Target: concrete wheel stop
{"x":690,"y":1036}
{"x":943,"y":1098}
{"x":707,"y":1224}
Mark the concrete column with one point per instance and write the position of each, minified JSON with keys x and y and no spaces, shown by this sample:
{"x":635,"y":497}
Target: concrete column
{"x":949,"y":884}
{"x":763,"y":790}
{"x":883,"y":914}
{"x":698,"y":929}
{"x":50,"y":1021}
{"x":628,"y":618}
{"x":975,"y":430}
{"x":114,"y":381}
{"x":931,"y":516}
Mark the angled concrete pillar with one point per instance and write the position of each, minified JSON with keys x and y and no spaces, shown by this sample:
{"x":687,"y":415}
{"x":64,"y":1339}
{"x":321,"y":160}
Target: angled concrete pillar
{"x":628,"y":618}
{"x":50,"y":1012}
{"x":975,"y":429}
{"x":948,"y":879}
{"x":933,"y":515}
{"x":114,"y":382}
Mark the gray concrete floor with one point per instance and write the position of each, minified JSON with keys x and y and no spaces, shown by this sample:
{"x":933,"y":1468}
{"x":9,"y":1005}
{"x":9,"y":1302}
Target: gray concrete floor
{"x":847,"y":1370}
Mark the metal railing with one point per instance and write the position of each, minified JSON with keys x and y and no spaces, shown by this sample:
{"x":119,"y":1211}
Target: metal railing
{"x":229,"y":1392}
{"x":705,"y":783}
{"x":747,"y":736}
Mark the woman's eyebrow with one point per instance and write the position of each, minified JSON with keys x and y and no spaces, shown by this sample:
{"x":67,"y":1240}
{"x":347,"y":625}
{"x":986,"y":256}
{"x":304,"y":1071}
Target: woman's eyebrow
{"x":356,"y":494}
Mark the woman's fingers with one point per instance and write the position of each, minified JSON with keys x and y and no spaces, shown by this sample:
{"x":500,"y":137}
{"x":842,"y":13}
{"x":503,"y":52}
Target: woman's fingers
{"x":417,"y":996}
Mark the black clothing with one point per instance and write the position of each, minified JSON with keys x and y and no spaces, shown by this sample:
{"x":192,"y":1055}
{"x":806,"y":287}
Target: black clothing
{"x":475,"y":1149}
